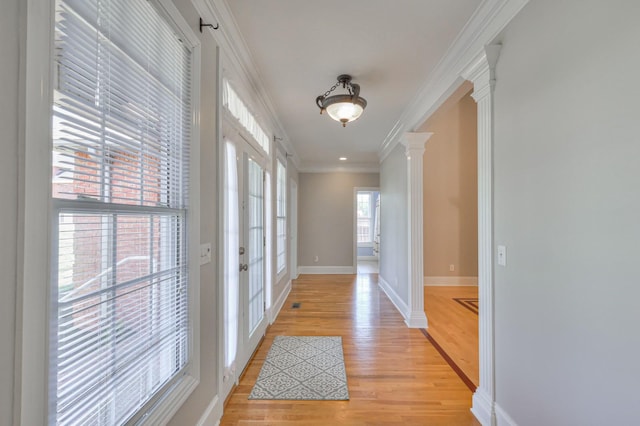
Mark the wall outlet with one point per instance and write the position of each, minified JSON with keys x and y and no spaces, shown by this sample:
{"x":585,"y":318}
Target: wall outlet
{"x":502,"y":255}
{"x":452,"y":268}
{"x":315,"y":259}
{"x":205,"y":253}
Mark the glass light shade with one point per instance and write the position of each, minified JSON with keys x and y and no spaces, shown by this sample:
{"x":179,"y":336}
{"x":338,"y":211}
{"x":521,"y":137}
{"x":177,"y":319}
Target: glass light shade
{"x":344,"y":111}
{"x":343,"y":108}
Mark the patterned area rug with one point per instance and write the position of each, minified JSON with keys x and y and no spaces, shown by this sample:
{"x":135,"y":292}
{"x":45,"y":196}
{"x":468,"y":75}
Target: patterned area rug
{"x":303,"y":368}
{"x":471,"y":303}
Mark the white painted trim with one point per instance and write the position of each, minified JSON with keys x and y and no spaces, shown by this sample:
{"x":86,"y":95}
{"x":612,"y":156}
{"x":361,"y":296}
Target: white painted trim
{"x":34,"y":248}
{"x":482,"y":408}
{"x":277,"y":306}
{"x":212,"y":414}
{"x":397,"y":301}
{"x":481,"y":74}
{"x":502,"y":418}
{"x":367,"y":258}
{"x":450,"y":281}
{"x":491,"y":17}
{"x":169,"y":406}
{"x":329,"y":270}
{"x":293,"y":228}
{"x":414,"y":143}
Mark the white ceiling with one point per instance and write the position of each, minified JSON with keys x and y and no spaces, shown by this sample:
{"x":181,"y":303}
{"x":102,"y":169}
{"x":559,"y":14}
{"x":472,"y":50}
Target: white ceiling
{"x":389,"y":47}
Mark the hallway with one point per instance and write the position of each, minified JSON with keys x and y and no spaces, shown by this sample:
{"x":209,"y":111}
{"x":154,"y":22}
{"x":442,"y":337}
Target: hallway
{"x":395,"y":376}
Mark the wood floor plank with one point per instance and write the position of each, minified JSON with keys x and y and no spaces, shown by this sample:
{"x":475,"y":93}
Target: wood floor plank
{"x":454,"y":326}
{"x":395,"y":376}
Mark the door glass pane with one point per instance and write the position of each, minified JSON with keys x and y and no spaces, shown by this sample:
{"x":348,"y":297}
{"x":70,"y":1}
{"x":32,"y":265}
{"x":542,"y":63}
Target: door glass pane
{"x":255,"y":228}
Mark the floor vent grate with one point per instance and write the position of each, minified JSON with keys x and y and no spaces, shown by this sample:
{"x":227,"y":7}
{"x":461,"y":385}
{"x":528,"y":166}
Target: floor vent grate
{"x":295,"y":305}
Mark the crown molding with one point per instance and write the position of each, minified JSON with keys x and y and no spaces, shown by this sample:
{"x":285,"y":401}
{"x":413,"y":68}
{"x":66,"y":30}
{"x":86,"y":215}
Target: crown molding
{"x":239,"y":61}
{"x":489,"y":19}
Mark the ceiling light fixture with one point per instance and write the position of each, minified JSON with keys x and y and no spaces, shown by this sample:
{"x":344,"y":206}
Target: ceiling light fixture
{"x":342,"y":158}
{"x":344,"y":108}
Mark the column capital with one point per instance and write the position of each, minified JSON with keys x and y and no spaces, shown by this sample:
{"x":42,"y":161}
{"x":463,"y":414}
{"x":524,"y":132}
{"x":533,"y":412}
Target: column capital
{"x":481,"y":71}
{"x":414,"y":142}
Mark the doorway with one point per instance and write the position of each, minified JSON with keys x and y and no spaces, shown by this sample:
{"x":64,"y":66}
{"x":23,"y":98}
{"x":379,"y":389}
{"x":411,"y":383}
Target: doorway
{"x":245,"y":266}
{"x":366,"y":239}
{"x":450,"y":229}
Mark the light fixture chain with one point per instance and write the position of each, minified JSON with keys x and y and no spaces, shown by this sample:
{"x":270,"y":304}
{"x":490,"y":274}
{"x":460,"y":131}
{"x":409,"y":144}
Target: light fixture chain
{"x":334,"y":87}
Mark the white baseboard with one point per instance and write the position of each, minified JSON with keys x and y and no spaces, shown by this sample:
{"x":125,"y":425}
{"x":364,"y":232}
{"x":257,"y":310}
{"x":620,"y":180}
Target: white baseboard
{"x":450,"y":281}
{"x":277,"y":306}
{"x":482,"y":407}
{"x":212,"y":414}
{"x":367,"y":257}
{"x":328,"y":270}
{"x":400,"y":305}
{"x":502,"y":418}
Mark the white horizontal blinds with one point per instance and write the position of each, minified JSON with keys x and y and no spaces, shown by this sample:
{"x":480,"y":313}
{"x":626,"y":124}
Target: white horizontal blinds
{"x":281,"y":217}
{"x":239,"y":110}
{"x":119,"y":104}
{"x":121,"y":121}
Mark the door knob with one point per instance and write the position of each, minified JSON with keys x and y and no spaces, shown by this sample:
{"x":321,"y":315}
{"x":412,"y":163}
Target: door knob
{"x":244,"y":267}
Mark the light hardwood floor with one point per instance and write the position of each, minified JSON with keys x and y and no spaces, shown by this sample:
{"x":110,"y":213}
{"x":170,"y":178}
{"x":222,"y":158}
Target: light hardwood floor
{"x":454,"y":327}
{"x":395,"y":376}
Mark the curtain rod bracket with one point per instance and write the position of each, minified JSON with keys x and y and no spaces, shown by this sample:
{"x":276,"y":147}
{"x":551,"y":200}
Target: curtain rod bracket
{"x":202,"y":24}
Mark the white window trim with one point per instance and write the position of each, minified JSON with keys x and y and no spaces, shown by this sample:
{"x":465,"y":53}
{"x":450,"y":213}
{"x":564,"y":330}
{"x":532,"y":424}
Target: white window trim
{"x":282,"y":158}
{"x":34,"y":229}
{"x":371,"y":215}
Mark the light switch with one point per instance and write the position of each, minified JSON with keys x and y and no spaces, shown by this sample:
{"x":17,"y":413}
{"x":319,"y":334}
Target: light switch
{"x":502,"y":255}
{"x":205,"y":253}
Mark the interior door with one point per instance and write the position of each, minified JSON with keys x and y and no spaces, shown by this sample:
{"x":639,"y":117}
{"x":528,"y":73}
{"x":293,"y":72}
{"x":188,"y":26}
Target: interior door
{"x":253,"y":321}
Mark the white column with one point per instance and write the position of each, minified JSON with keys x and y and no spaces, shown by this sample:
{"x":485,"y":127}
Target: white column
{"x":414,"y":143}
{"x":481,"y":74}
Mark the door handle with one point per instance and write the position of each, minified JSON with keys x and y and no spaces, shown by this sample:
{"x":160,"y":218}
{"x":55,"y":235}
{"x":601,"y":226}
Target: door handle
{"x":243,"y":267}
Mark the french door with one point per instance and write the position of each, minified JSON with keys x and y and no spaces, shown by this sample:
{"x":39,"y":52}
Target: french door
{"x":253,"y":321}
{"x":244,"y":251}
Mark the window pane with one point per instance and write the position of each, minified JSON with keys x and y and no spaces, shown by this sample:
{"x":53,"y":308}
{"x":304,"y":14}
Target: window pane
{"x":281,"y":220}
{"x":365,"y":217}
{"x":120,"y":293}
{"x":120,"y":158}
{"x":239,"y":110}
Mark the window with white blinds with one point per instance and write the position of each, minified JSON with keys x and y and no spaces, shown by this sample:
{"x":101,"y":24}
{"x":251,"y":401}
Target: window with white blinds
{"x":281,"y":217}
{"x":239,"y":110}
{"x":365,"y":217}
{"x":119,"y":321}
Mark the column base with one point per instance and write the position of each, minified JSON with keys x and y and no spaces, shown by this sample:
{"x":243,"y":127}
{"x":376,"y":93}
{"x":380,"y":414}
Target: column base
{"x":417,"y":319}
{"x":482,"y":408}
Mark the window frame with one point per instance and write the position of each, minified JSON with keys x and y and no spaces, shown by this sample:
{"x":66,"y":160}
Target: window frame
{"x":35,"y":232}
{"x":281,"y":272}
{"x":368,"y":243}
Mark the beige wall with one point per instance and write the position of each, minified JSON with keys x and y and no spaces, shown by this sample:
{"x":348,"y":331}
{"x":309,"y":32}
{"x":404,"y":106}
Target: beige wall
{"x":394,"y":225}
{"x":325,"y":216}
{"x":193,"y":408}
{"x":567,"y":208}
{"x":450,"y":190}
{"x":10,"y":32}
